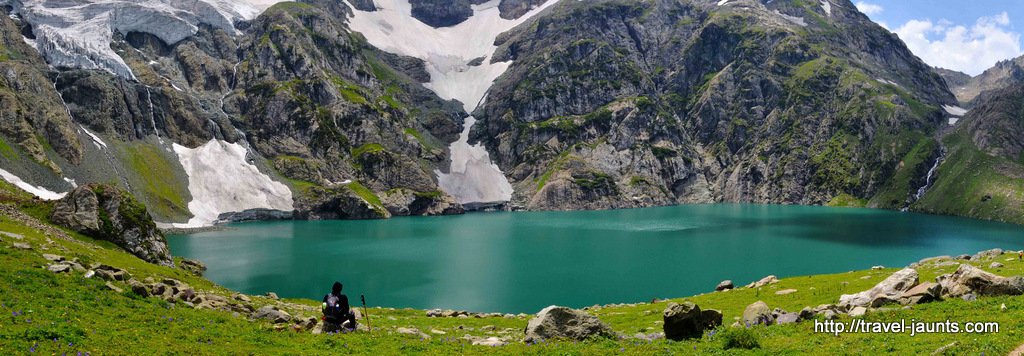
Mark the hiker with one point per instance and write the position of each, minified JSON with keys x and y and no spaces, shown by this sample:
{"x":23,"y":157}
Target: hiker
{"x":1020,"y":255}
{"x":336,"y":310}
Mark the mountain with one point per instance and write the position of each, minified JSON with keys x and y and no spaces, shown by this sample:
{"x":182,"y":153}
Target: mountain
{"x":969,"y":90}
{"x":982,"y":175}
{"x":232,"y":110}
{"x":615,"y":104}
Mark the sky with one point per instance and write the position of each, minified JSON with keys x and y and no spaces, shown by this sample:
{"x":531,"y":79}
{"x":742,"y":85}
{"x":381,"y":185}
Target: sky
{"x":964,"y":35}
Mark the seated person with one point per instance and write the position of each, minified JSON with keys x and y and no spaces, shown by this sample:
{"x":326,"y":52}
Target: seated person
{"x":336,"y":310}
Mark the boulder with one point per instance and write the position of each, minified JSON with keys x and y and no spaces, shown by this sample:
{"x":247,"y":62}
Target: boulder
{"x":987,"y":254}
{"x":412,"y":331}
{"x":688,"y":321}
{"x":22,"y":246}
{"x":491,"y":341}
{"x":858,"y":312}
{"x":763,"y":282}
{"x":724,"y":285}
{"x":888,"y":290}
{"x":106,"y":213}
{"x":272,"y":295}
{"x":787,"y":318}
{"x":192,"y":266}
{"x":59,"y":268}
{"x":970,"y":279}
{"x":758,"y":313}
{"x":114,"y":288}
{"x":785,"y":292}
{"x":138,"y":288}
{"x":995,"y":265}
{"x":111,"y":273}
{"x":555,"y":322}
{"x":922,"y":293}
{"x":273,"y":314}
{"x":53,"y":258}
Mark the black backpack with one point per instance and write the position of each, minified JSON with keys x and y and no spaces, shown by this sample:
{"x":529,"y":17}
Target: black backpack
{"x":333,"y":310}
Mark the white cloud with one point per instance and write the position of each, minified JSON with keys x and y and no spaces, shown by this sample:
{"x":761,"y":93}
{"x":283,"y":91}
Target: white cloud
{"x":971,"y":50}
{"x":869,"y":8}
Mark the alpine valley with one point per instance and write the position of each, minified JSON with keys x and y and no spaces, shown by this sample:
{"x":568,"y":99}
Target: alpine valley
{"x":220,"y":110}
{"x":740,"y":127}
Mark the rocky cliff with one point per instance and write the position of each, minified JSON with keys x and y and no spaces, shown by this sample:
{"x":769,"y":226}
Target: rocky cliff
{"x":614,"y":104}
{"x":971,"y":90}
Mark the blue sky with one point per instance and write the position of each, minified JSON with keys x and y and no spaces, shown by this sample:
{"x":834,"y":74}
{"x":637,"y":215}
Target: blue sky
{"x":965,"y":35}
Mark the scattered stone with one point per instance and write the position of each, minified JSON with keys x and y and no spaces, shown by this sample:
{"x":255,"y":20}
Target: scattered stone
{"x":964,"y":257}
{"x":112,"y":273}
{"x":138,"y":288}
{"x":59,"y":268}
{"x":688,"y":321}
{"x":787,"y":318}
{"x":830,"y":314}
{"x":192,"y":266}
{"x":242,"y":298}
{"x":89,"y":274}
{"x":865,"y":277}
{"x":272,"y":295}
{"x":1002,"y":307}
{"x":491,"y":341}
{"x":987,"y":254}
{"x":995,"y":265}
{"x":412,"y":331}
{"x":785,"y":292}
{"x":970,"y":297}
{"x":942,"y":350}
{"x":807,"y":313}
{"x":438,"y":332}
{"x":53,"y":258}
{"x":888,"y":290}
{"x":273,"y":314}
{"x":724,"y":286}
{"x":22,"y":246}
{"x":763,"y":282}
{"x":307,"y":324}
{"x":970,"y":279}
{"x":877,"y":268}
{"x":114,"y":288}
{"x":649,"y":337}
{"x":758,"y":313}
{"x":12,"y":235}
{"x":561,"y":322}
{"x":858,"y":312}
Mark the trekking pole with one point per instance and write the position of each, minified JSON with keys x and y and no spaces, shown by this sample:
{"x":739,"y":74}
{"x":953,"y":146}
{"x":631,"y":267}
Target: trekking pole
{"x":365,"y":313}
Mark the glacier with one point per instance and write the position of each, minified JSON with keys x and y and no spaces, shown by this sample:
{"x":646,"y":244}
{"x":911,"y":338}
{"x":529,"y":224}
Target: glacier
{"x":447,"y":51}
{"x":77,"y":33}
{"x":221,"y":180}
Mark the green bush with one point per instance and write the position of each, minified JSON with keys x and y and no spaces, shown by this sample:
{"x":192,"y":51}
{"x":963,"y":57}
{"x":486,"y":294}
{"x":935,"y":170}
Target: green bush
{"x":738,"y":338}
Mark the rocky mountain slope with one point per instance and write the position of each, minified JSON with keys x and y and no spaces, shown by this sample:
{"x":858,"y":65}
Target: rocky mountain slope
{"x":625,"y":104}
{"x":970,"y":90}
{"x":325,"y":110}
{"x":290,"y":110}
{"x":983,"y":174}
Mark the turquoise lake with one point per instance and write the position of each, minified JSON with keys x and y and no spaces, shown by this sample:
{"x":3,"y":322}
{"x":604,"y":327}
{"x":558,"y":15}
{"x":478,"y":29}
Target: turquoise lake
{"x":524,"y":261}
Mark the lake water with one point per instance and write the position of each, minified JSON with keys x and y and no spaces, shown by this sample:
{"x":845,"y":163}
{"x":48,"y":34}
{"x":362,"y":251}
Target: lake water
{"x":522,"y":262}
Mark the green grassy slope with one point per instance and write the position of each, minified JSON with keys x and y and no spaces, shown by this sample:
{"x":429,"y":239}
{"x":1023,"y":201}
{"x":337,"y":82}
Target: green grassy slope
{"x":974,"y":184}
{"x":66,"y":313}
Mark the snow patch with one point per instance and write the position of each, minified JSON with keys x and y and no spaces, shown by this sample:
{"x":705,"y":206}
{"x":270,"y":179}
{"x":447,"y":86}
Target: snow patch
{"x":448,"y":52}
{"x":77,"y":33}
{"x":95,"y":139}
{"x":827,"y":7}
{"x":722,"y":2}
{"x":221,"y":180}
{"x":42,"y":193}
{"x":953,"y":121}
{"x":955,"y":110}
{"x":886,"y":81}
{"x":794,"y":19}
